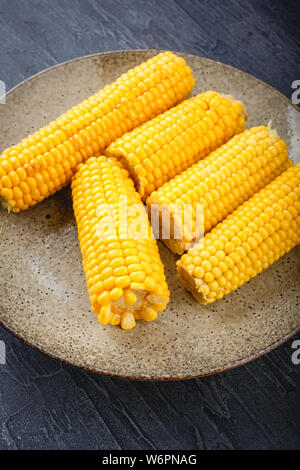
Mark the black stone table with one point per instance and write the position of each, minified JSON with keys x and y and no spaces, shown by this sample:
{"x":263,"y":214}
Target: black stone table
{"x":47,"y":405}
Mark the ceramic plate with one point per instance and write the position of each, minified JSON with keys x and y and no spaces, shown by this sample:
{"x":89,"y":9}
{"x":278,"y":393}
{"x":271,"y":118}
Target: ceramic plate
{"x":43,"y":296}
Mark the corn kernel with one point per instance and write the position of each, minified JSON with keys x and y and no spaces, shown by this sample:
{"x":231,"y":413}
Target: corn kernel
{"x":220,"y":183}
{"x":118,"y":289}
{"x":267,"y":240}
{"x":47,"y":160}
{"x":176,"y":139}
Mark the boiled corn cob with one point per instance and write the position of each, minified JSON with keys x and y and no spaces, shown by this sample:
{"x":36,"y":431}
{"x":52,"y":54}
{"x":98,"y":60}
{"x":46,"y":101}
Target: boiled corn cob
{"x":44,"y":162}
{"x":249,"y":240}
{"x":218,"y":184}
{"x":168,"y":144}
{"x":125,"y":276}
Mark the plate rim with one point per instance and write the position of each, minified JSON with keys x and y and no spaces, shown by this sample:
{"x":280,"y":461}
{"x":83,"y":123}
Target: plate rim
{"x":142,"y":377}
{"x":147,"y":378}
{"x":155,"y":51}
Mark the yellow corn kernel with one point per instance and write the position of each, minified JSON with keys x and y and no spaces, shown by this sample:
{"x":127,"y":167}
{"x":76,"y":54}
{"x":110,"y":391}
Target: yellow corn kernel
{"x":115,"y":294}
{"x":48,"y":159}
{"x":115,"y":319}
{"x":171,"y":142}
{"x":103,"y":298}
{"x":98,"y":188}
{"x":149,"y":314}
{"x":105,"y":314}
{"x":128,"y":321}
{"x":158,"y":307}
{"x":129,"y":297}
{"x":281,"y":234}
{"x":215,"y":186}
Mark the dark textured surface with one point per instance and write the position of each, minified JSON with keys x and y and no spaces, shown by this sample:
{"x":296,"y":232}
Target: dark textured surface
{"x":44,"y":404}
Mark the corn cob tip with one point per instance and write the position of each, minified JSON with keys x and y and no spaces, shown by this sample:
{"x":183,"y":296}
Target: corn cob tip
{"x":197,"y":287}
{"x":125,"y":276}
{"x":217,"y":185}
{"x":131,"y":305}
{"x":232,"y":99}
{"x":253,"y":237}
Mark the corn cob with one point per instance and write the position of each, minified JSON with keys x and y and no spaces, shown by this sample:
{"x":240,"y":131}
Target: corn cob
{"x":168,"y":144}
{"x":218,"y":184}
{"x":44,"y":162}
{"x":125,"y":276}
{"x":249,"y":240}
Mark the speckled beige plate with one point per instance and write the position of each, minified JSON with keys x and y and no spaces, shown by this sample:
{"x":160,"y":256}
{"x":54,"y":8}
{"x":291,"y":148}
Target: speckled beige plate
{"x":43,"y":296}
